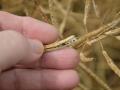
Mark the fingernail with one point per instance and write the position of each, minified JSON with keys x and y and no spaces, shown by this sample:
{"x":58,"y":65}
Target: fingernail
{"x":37,"y":46}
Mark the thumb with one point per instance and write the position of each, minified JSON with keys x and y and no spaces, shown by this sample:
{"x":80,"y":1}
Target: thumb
{"x":14,"y":48}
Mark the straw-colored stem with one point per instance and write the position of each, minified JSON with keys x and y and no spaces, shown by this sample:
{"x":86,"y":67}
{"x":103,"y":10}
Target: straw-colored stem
{"x":96,"y":32}
{"x":63,"y":24}
{"x":97,"y":13}
{"x":95,"y":77}
{"x":52,"y":13}
{"x":86,"y":13}
{"x":109,"y":33}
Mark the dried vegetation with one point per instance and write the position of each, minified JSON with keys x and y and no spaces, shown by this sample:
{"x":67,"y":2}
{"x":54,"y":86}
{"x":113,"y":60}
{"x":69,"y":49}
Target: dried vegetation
{"x":96,"y":23}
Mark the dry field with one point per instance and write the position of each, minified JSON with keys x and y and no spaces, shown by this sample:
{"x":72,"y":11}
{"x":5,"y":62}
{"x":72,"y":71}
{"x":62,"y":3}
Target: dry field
{"x":96,"y":24}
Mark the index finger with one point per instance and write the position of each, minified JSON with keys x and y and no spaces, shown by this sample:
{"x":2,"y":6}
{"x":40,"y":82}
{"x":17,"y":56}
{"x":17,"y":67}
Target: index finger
{"x":29,"y":27}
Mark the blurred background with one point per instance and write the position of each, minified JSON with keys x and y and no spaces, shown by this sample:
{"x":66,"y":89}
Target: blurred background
{"x":78,"y":17}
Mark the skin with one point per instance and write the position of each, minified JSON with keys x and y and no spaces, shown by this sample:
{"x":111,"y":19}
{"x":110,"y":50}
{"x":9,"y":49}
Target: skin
{"x":23,"y":64}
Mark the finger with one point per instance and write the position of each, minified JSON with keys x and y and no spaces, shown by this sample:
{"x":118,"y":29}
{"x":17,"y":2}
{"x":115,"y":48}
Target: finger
{"x":14,"y":48}
{"x":66,"y":58}
{"x":38,"y":80}
{"x":30,"y":27}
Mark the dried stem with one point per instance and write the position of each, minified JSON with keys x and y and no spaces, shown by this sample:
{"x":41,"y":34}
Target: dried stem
{"x":110,"y":62}
{"x":109,"y":33}
{"x":52,"y":13}
{"x":96,"y":32}
{"x":63,"y":24}
{"x":86,"y":12}
{"x":97,"y":13}
{"x":95,"y":77}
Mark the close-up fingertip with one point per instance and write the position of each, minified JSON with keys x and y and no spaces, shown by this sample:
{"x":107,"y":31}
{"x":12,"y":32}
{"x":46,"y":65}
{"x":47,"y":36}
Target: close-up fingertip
{"x":36,"y":46}
{"x":36,"y":51}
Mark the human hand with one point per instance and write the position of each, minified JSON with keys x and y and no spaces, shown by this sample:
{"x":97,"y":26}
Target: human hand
{"x":21,"y":46}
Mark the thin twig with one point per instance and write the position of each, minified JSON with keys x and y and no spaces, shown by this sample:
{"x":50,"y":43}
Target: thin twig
{"x":110,"y":62}
{"x":97,"y":13}
{"x":86,"y":13}
{"x":52,"y":13}
{"x":96,"y":32}
{"x":83,"y":58}
{"x":63,"y":24}
{"x":72,"y":19}
{"x":109,"y":33}
{"x":95,"y":77}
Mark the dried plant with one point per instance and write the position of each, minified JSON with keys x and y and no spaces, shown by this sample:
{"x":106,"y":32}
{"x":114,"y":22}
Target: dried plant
{"x":95,"y":23}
